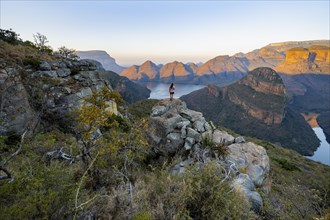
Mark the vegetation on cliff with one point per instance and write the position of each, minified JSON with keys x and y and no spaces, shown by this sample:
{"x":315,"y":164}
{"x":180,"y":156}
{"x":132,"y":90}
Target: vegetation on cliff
{"x":125,"y":184}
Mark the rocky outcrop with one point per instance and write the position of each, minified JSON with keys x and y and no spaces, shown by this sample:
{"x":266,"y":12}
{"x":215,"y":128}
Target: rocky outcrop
{"x":16,"y":113}
{"x":176,"y":130}
{"x":50,"y":93}
{"x":47,"y":96}
{"x":103,"y":57}
{"x":257,"y":106}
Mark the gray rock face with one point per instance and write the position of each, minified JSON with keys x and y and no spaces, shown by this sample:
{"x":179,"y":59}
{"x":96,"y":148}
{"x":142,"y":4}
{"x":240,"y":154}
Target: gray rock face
{"x":63,"y":72}
{"x":52,"y":86}
{"x":45,"y":66}
{"x":240,"y":139}
{"x":222,"y":137}
{"x":252,"y":158}
{"x":244,"y":185}
{"x":173,"y":127}
{"x":16,"y":114}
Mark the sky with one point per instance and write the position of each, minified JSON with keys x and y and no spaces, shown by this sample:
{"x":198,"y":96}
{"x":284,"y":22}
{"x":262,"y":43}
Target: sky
{"x":163,"y":31}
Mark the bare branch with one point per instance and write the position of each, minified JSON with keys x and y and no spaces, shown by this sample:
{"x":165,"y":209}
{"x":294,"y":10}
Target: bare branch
{"x":3,"y":165}
{"x":80,"y":184}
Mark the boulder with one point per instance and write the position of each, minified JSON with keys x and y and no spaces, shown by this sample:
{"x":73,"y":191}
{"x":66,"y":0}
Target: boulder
{"x":45,"y":66}
{"x":198,"y":125}
{"x":171,"y":123}
{"x":244,"y":185}
{"x":174,"y":143}
{"x":63,"y":72}
{"x":239,"y":139}
{"x":222,"y":137}
{"x":194,"y":134}
{"x":251,"y":159}
{"x":158,"y":110}
{"x":189,"y":143}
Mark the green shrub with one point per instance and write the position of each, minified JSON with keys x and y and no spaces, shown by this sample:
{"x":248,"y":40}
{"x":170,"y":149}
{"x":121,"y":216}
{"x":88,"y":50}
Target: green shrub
{"x":142,"y":108}
{"x":286,"y":164}
{"x":123,"y":123}
{"x":199,"y":194}
{"x":34,"y":63}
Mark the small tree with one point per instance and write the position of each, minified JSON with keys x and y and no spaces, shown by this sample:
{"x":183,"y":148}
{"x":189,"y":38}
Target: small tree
{"x":94,"y":115}
{"x":67,"y":53}
{"x":40,"y":41}
{"x":9,"y":36}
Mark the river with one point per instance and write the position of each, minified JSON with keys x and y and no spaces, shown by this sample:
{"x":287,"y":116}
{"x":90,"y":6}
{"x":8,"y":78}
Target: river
{"x":160,"y":91}
{"x":322,"y":154}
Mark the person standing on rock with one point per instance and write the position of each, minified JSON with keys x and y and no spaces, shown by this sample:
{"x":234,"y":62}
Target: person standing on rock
{"x":171,"y":90}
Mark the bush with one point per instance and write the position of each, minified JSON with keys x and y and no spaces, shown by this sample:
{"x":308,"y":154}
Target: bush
{"x":9,"y":36}
{"x":123,"y":123}
{"x":199,"y":194}
{"x":34,"y":63}
{"x":286,"y":164}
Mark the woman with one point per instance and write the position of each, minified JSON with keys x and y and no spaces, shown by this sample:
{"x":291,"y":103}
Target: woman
{"x":171,"y":90}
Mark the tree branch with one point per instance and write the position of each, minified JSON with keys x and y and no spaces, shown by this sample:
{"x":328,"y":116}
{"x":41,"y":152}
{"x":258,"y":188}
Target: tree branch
{"x":3,"y":165}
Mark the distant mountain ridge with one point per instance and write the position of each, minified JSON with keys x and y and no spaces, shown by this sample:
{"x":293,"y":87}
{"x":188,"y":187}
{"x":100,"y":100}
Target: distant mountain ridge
{"x":226,"y":69}
{"x":103,"y":57}
{"x":256,"y":106}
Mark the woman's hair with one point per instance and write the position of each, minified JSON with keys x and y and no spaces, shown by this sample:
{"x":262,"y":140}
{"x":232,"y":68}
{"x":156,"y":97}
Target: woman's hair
{"x":171,"y":86}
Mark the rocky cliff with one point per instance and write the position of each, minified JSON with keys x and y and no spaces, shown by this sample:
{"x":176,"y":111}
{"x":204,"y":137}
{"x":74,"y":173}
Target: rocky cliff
{"x":37,"y":94}
{"x":256,"y":106}
{"x":103,"y":57}
{"x":314,"y":59}
{"x":175,"y":130}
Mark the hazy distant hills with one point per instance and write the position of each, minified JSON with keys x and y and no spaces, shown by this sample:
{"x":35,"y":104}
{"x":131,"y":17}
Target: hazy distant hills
{"x":103,"y":57}
{"x":256,"y":105}
{"x":293,"y":57}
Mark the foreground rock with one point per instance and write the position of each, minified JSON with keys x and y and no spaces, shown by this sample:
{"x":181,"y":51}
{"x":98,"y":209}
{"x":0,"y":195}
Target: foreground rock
{"x":177,"y":130}
{"x":46,"y":95}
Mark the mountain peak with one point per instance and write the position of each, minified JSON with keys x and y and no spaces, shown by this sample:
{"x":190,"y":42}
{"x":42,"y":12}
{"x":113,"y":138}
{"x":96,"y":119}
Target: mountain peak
{"x":148,"y":62}
{"x":264,"y":80}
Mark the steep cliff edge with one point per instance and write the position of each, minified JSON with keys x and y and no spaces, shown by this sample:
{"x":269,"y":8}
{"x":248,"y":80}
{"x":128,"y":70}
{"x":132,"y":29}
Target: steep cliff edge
{"x":256,"y":106}
{"x":314,"y":59}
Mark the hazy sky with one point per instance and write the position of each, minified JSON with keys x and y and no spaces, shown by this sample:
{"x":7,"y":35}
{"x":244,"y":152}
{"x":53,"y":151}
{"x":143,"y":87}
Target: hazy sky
{"x":164,"y":31}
